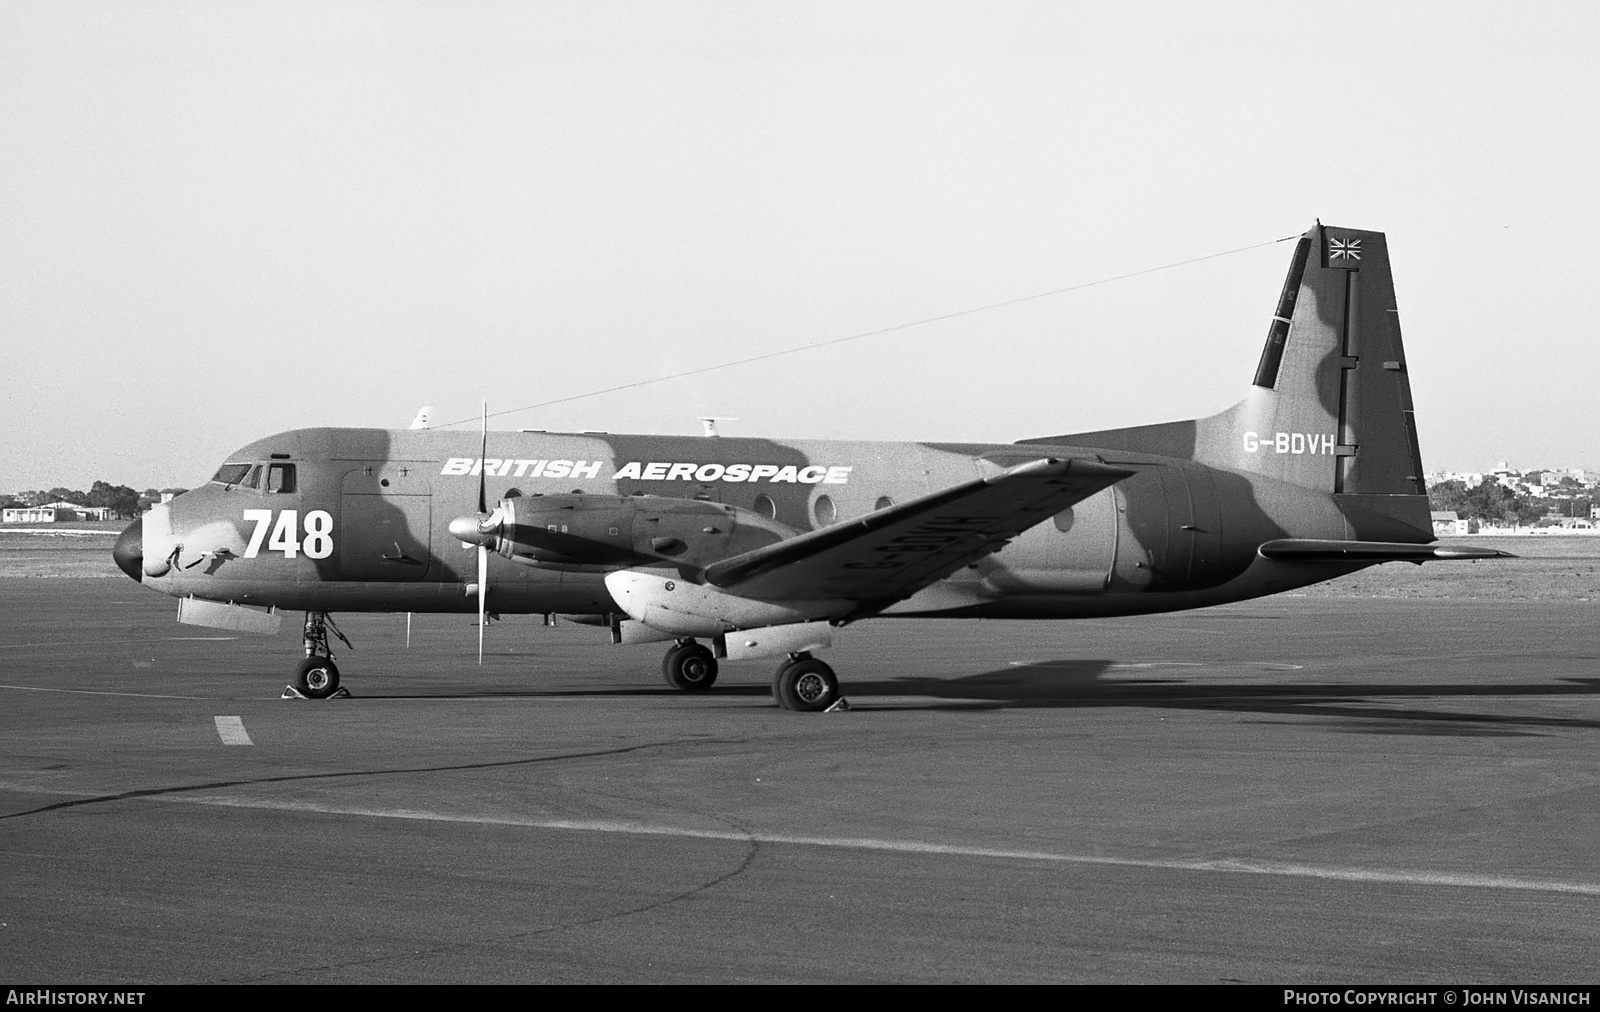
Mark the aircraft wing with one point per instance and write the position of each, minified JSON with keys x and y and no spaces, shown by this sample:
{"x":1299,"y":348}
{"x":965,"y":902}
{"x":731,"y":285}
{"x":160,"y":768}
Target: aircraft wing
{"x":1310,"y":550}
{"x":896,"y":551}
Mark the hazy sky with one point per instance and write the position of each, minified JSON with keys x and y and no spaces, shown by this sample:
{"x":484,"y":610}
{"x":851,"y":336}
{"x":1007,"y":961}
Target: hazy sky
{"x":218,"y":221}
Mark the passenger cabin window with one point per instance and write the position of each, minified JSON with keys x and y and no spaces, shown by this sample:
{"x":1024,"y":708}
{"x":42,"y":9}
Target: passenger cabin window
{"x":280,"y":478}
{"x":765,"y":506}
{"x":230,"y":474}
{"x":824,"y":511}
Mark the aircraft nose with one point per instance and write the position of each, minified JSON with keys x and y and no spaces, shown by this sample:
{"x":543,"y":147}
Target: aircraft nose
{"x":128,"y":552}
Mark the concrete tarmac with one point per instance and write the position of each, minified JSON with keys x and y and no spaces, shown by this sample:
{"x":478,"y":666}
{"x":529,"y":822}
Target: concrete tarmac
{"x":1307,"y":790}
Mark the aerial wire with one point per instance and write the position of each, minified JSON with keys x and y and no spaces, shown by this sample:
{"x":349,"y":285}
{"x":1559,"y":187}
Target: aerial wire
{"x":635,"y":384}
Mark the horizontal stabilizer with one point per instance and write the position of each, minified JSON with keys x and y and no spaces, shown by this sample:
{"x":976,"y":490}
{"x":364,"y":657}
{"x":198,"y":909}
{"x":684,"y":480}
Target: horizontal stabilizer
{"x":1310,"y":550}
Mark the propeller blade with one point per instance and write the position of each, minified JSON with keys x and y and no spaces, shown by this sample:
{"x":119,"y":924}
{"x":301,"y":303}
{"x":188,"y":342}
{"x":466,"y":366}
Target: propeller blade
{"x":483,"y":593}
{"x":483,"y":509}
{"x":483,"y":476}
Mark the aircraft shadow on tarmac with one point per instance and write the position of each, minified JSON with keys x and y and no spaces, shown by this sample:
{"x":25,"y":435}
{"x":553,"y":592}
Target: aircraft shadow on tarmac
{"x":1346,"y":707}
{"x":1351,"y":707}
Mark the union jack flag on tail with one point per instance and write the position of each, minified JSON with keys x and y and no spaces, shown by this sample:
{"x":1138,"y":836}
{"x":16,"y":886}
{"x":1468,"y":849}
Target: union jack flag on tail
{"x":1341,"y":249}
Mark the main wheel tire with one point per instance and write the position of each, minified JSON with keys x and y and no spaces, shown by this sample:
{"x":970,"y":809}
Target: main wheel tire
{"x":668,"y":658}
{"x":318,"y":677}
{"x":806,"y":686}
{"x":690,"y":667}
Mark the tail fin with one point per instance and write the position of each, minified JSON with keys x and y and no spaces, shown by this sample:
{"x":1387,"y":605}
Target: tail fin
{"x":1330,"y":407}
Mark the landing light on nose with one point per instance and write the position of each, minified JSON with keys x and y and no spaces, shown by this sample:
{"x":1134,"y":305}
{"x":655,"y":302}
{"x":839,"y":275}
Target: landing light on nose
{"x":128,"y":552}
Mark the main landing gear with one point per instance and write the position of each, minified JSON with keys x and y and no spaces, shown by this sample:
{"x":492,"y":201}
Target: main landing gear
{"x":806,"y":684}
{"x":318,"y":677}
{"x":802,"y":683}
{"x":689,"y":666}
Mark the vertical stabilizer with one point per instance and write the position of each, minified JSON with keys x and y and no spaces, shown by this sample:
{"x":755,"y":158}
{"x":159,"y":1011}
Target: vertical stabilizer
{"x":1330,"y":408}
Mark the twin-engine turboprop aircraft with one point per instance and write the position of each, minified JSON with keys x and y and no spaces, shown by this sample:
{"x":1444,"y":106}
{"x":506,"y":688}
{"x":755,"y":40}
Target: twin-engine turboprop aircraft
{"x":744,"y":548}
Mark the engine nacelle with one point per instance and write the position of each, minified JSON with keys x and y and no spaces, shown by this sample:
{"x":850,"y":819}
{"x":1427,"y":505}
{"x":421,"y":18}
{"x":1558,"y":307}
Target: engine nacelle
{"x":606,"y":531}
{"x":677,"y":606}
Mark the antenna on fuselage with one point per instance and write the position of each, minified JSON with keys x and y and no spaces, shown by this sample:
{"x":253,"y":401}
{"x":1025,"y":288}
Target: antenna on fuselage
{"x":424,"y":414}
{"x":710,"y":423}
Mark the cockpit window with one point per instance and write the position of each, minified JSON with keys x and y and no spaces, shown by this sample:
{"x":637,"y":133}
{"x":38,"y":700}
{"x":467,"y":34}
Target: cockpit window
{"x":230,"y":474}
{"x":280,"y":478}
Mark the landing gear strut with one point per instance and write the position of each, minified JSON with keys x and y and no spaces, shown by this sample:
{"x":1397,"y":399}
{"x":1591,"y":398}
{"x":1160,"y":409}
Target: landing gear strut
{"x":318,"y":677}
{"x":805,"y":684}
{"x":689,"y":666}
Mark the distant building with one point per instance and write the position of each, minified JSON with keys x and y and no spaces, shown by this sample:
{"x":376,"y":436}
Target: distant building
{"x":1447,"y":523}
{"x":36,"y":515}
{"x":53,"y":513}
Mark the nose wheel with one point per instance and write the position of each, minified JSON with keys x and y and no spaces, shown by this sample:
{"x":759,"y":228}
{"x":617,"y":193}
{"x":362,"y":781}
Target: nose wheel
{"x":317,"y":677}
{"x":805,"y":684}
{"x":690,"y":666}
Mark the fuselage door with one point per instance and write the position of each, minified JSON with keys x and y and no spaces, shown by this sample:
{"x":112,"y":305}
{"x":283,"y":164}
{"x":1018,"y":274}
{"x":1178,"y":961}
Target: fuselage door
{"x":386,"y":509}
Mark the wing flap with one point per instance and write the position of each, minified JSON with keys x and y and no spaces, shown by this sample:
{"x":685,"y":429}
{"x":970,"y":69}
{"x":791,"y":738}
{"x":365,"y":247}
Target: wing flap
{"x":894,"y":552}
{"x":1311,"y":550}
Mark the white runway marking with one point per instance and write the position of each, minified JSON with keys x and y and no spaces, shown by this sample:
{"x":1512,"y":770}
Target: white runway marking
{"x":95,"y":692}
{"x":232,"y":732}
{"x":1241,"y":866}
{"x":57,"y":532}
{"x":1147,"y":665}
{"x":100,"y":643}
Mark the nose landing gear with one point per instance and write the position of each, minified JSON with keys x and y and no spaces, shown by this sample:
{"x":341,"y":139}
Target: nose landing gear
{"x":317,"y":676}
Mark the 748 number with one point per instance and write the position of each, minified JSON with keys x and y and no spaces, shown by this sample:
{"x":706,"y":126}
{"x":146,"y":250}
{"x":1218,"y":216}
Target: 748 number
{"x":318,"y":541}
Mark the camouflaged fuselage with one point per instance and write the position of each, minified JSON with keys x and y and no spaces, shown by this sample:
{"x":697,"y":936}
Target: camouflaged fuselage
{"x":371,"y":508}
